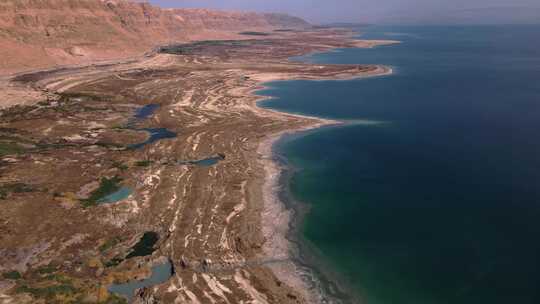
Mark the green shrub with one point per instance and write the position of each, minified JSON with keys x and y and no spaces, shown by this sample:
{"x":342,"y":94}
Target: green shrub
{"x":143,"y":163}
{"x":12,"y":275}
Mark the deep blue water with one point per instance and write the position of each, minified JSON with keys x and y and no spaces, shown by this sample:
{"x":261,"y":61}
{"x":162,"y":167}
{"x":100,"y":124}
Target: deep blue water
{"x":146,"y":111}
{"x":441,"y":203}
{"x":155,"y":134}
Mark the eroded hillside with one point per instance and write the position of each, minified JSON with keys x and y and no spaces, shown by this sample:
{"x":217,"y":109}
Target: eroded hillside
{"x":44,"y":33}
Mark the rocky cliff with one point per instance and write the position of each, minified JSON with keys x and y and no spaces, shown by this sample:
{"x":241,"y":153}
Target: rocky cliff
{"x":44,"y":33}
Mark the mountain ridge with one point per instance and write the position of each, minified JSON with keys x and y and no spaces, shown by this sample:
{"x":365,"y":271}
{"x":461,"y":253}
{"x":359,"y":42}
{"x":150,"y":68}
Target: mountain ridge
{"x":45,"y":33}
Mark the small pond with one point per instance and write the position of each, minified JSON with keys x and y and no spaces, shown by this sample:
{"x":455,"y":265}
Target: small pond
{"x":160,"y":274}
{"x":155,"y":135}
{"x":205,"y":162}
{"x":145,"y":246}
{"x":119,"y":195}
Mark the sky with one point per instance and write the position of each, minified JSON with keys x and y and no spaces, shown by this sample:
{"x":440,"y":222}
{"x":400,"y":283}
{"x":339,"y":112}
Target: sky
{"x":383,"y":11}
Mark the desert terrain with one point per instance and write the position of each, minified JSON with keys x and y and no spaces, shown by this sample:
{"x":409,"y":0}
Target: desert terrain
{"x":110,"y":169}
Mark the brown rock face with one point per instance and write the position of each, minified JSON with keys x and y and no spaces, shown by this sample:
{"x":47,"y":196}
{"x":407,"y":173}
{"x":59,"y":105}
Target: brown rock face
{"x":44,"y":33}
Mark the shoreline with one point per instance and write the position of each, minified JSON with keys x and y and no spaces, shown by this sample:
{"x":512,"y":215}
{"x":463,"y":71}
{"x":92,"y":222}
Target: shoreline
{"x":282,"y":214}
{"x":259,"y":248}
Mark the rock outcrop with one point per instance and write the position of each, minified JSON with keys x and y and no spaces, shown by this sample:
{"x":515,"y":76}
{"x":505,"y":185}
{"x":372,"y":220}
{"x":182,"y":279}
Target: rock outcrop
{"x":44,"y":33}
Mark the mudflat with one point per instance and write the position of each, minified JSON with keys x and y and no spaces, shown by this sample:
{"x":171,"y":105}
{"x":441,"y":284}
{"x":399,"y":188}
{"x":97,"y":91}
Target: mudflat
{"x":195,"y":172}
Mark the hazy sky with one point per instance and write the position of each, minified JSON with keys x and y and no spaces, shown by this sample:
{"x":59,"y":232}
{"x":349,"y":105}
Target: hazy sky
{"x":324,"y":11}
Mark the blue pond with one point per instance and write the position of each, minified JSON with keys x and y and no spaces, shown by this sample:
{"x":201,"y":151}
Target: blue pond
{"x":142,"y":113}
{"x":146,"y":111}
{"x":160,"y":274}
{"x":155,"y":135}
{"x":206,"y":162}
{"x":117,"y":196}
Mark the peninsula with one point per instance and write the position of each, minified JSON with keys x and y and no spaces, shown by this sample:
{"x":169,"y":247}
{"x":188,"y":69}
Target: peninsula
{"x":124,"y":162}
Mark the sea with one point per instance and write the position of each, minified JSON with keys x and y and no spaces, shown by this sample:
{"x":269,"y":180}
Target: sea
{"x":430,"y":194}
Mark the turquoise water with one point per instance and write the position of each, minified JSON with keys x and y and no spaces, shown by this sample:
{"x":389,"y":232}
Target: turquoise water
{"x":440,"y":204}
{"x":117,"y":196}
{"x":160,"y":274}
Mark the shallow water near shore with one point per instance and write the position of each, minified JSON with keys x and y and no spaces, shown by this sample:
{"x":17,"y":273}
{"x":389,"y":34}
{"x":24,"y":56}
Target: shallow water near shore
{"x":121,"y":194}
{"x":439,"y":204}
{"x":160,"y":273}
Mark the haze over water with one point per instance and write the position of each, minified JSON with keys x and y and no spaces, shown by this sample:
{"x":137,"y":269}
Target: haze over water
{"x":441,"y":203}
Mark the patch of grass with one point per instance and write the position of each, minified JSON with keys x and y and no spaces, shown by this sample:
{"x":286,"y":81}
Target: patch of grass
{"x":106,"y":187}
{"x":59,"y":278}
{"x":79,"y":96}
{"x":20,"y":188}
{"x":114,"y":262}
{"x":181,"y":49}
{"x":5,"y":190}
{"x":109,"y":244}
{"x":46,"y":269}
{"x":143,"y":163}
{"x":48,"y":292}
{"x":120,"y":127}
{"x":12,"y":275}
{"x":8,"y":148}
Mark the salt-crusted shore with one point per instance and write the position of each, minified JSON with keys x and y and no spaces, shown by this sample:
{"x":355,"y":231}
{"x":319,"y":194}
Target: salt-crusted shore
{"x":277,"y":217}
{"x":222,"y":226}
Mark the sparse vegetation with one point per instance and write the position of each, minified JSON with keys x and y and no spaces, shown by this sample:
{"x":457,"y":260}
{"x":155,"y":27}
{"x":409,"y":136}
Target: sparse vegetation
{"x":59,"y":278}
{"x":48,"y":292}
{"x":17,"y":110}
{"x":9,"y":148}
{"x":254,"y":34}
{"x":46,"y":269}
{"x":114,"y":262}
{"x":109,"y":244}
{"x":12,"y":275}
{"x":195,"y":47}
{"x":5,"y":190}
{"x":143,"y":163}
{"x":79,"y":96}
